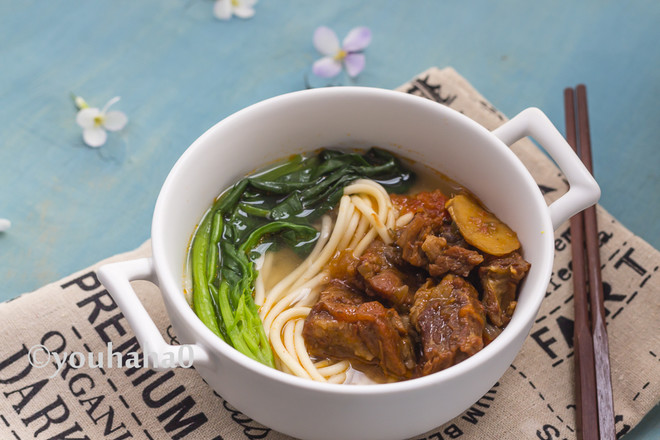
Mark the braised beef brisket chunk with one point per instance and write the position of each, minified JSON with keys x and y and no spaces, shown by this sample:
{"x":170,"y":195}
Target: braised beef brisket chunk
{"x":380,"y":272}
{"x":388,"y":277}
{"x":410,"y":240}
{"x":449,"y":259}
{"x":407,"y":308}
{"x":437,"y":247}
{"x":499,"y":279}
{"x":450,"y":320}
{"x":343,"y":325}
{"x":343,"y":267}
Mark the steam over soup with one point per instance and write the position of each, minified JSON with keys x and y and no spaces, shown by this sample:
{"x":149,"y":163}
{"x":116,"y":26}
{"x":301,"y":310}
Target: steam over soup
{"x":347,"y":267}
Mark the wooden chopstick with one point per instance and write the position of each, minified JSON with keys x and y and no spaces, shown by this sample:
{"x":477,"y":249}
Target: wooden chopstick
{"x":585,"y":374}
{"x":592,"y":376}
{"x":596,"y":295}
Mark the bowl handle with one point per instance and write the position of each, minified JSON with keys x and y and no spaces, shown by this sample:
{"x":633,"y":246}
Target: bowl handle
{"x":583,"y":189}
{"x":158,"y":354}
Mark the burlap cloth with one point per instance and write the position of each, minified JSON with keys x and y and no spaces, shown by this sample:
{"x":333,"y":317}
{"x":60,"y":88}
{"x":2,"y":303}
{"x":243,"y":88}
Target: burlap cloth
{"x":534,"y":399}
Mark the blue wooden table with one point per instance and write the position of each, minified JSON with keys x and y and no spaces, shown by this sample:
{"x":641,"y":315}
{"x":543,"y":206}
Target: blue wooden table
{"x":179,"y":70}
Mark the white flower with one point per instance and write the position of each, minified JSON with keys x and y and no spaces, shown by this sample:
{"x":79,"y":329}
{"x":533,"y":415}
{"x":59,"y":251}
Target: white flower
{"x":224,"y":9}
{"x":95,"y":122}
{"x":4,"y":224}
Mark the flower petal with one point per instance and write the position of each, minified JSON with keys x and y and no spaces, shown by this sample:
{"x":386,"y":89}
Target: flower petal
{"x":354,"y":63}
{"x":326,"y":41}
{"x":115,"y":120}
{"x":85,"y":117}
{"x":222,"y":9}
{"x":94,"y":136}
{"x":244,"y":11}
{"x":326,"y":67}
{"x":357,"y":39}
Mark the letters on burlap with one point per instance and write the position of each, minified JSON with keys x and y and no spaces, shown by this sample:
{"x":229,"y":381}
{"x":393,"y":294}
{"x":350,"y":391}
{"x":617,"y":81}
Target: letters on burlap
{"x":534,"y":398}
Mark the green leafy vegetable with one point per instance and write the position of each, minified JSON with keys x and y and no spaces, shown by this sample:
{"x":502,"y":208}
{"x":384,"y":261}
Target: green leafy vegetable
{"x":272,"y":208}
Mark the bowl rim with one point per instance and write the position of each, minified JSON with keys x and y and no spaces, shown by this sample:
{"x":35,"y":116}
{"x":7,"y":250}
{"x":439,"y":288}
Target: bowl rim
{"x":174,"y":292}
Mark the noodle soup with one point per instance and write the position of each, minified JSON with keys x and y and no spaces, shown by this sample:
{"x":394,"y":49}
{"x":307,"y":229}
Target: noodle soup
{"x":345,"y":267}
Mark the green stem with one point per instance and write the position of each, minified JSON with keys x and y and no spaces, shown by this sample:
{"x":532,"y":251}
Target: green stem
{"x":202,"y":301}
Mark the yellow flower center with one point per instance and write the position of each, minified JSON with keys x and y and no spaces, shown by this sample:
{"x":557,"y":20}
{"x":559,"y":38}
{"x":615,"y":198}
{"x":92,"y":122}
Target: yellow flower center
{"x":99,"y":120}
{"x":235,"y":3}
{"x":340,"y":55}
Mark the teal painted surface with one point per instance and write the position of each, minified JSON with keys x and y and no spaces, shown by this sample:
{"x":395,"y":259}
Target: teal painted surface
{"x":179,"y":70}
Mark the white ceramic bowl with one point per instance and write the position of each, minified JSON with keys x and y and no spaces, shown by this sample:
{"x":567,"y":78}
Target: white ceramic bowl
{"x":413,"y":127}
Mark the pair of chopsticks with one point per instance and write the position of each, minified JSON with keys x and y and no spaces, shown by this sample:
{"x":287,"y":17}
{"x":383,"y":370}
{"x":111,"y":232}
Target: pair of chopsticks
{"x":593,"y":384}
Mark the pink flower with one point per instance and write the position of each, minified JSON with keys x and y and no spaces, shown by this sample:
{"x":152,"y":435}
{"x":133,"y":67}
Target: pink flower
{"x":348,"y":55}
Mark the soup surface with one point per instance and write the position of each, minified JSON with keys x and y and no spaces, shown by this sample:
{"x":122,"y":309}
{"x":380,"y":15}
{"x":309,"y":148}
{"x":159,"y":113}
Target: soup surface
{"x":347,"y":267}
